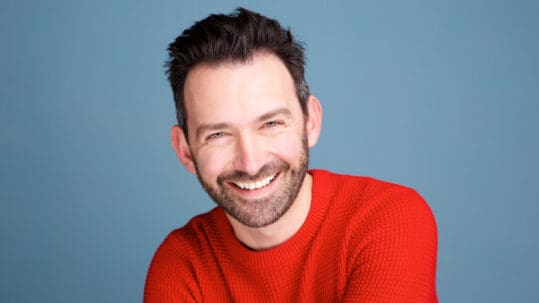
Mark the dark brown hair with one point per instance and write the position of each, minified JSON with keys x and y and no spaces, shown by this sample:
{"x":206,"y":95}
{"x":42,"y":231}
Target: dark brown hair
{"x":233,"y":38}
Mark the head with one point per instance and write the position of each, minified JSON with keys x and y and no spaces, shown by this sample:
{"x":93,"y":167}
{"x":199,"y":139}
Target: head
{"x":245,"y":117}
{"x":232,"y":38}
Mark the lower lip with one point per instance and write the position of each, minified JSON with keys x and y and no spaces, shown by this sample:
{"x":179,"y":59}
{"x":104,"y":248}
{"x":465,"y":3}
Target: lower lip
{"x":256,"y":192}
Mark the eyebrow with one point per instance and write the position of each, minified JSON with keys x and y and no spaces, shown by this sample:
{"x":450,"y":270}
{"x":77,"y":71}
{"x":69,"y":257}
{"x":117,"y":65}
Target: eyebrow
{"x":280,"y":111}
{"x":206,"y":127}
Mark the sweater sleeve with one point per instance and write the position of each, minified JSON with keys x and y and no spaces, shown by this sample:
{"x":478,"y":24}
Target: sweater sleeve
{"x":395,"y":256}
{"x":171,"y":275}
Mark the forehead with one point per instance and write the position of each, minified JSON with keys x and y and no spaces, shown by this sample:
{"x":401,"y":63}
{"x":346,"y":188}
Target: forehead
{"x":235,"y":92}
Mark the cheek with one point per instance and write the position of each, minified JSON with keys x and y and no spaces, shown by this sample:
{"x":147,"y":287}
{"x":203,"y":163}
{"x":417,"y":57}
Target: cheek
{"x":289,"y":148}
{"x":212,"y":163}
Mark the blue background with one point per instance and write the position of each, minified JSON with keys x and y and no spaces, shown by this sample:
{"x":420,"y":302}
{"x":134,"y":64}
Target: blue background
{"x":438,"y":95}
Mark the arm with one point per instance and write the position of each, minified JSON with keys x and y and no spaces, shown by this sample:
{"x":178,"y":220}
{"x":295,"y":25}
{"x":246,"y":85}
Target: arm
{"x":395,"y":259}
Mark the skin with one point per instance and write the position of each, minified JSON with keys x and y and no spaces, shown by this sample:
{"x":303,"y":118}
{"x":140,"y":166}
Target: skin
{"x":246,"y":125}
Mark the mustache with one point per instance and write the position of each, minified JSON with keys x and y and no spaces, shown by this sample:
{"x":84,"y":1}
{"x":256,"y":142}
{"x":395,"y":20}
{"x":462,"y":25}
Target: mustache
{"x":264,"y":171}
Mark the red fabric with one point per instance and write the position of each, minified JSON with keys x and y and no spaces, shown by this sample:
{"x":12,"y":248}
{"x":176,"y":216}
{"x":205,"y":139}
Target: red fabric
{"x":364,"y":240}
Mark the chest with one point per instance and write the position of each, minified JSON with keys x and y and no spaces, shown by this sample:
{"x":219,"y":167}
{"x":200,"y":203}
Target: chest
{"x":316,"y":274}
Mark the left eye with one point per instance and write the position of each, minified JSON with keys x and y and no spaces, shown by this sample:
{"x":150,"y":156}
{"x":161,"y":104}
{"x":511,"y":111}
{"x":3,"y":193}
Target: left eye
{"x":272,"y":124}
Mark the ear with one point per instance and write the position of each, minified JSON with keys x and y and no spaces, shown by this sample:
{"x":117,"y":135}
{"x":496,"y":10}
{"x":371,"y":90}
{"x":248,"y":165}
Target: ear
{"x":313,"y":124}
{"x":181,"y":147}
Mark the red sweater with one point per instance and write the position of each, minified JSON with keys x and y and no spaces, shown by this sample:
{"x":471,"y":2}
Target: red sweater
{"x":364,"y":240}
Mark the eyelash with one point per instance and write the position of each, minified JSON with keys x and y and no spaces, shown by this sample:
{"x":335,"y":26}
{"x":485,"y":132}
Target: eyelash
{"x":215,"y":136}
{"x":271,"y":124}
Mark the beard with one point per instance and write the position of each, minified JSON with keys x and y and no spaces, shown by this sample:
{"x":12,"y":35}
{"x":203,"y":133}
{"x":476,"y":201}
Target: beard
{"x":262,"y":211}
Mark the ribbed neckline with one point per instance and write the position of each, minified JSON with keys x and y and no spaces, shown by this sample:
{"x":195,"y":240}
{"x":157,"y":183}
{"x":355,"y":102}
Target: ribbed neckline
{"x":291,"y":248}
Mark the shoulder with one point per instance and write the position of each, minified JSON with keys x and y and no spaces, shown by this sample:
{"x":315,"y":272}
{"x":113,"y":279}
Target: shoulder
{"x":349,"y":186}
{"x":371,"y":205}
{"x":360,"y":192}
{"x":180,"y":255}
{"x":183,"y":248}
{"x":189,"y":239}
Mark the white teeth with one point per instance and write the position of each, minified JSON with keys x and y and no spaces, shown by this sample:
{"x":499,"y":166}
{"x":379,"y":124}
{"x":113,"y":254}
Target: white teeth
{"x":255,"y":185}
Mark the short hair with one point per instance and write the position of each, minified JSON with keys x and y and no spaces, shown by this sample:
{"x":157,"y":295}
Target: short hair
{"x":233,"y":38}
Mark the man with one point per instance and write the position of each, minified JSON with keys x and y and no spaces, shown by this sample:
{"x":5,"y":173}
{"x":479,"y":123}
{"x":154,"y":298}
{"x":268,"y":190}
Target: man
{"x":280,"y":233}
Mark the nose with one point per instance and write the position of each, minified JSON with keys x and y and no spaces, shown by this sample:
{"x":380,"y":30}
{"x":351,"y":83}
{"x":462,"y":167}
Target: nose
{"x":249,"y":156}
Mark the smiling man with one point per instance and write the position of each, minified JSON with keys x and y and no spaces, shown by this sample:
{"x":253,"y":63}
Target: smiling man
{"x":280,"y":232}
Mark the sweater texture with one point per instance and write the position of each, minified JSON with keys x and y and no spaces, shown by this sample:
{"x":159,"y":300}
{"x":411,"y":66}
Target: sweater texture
{"x":364,"y":240}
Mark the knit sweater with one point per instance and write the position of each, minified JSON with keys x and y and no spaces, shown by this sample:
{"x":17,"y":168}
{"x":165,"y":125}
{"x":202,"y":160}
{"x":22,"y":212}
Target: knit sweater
{"x":364,"y":240}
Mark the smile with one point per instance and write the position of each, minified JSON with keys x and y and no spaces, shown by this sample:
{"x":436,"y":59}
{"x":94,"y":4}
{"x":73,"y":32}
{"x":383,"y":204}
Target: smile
{"x":255,"y":185}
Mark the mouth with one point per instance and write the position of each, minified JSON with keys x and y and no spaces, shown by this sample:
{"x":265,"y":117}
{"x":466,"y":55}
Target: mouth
{"x":255,"y":185}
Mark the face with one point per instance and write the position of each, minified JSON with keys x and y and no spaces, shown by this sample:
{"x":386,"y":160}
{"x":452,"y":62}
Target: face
{"x":248,"y":137}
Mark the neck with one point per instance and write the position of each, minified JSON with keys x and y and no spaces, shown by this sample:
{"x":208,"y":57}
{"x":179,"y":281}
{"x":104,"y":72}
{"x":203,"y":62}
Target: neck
{"x":283,"y":229}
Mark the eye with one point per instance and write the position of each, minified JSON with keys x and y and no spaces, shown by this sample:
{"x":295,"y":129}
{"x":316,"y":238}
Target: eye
{"x":271,"y":124}
{"x":216,"y":135}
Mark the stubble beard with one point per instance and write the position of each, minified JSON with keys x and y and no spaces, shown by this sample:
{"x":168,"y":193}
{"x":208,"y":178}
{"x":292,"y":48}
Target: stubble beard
{"x":260,"y":212}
